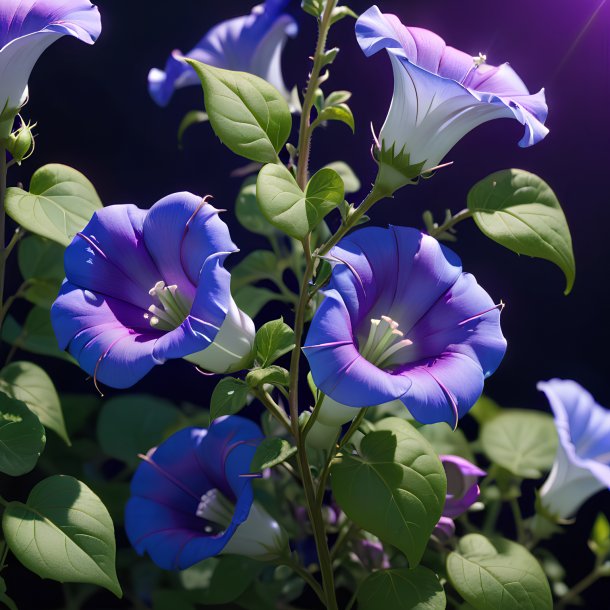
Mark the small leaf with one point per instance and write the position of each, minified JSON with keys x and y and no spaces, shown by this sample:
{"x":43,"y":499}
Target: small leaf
{"x":523,"y":442}
{"x":338,"y":97}
{"x":29,"y":383}
{"x":133,"y":424}
{"x":248,"y":114}
{"x":270,"y":453}
{"x":22,"y":437}
{"x":63,"y":532}
{"x":35,"y":336}
{"x":275,"y":375}
{"x":315,"y":8}
{"x":341,"y":12}
{"x":193,"y":117}
{"x":521,"y":212}
{"x":498,"y":574}
{"x":229,"y":397}
{"x":248,"y":213}
{"x":398,"y":589}
{"x":329,"y":56}
{"x":350,"y":180}
{"x":258,"y":265}
{"x":251,"y":299}
{"x":291,"y":210}
{"x":340,"y":112}
{"x":447,"y":441}
{"x":41,"y":259}
{"x":395,"y":488}
{"x":600,"y":536}
{"x":60,"y":203}
{"x":273,"y":340}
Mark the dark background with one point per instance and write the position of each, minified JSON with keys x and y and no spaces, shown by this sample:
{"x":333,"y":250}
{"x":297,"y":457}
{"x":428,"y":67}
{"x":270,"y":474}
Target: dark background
{"x":94,"y":113}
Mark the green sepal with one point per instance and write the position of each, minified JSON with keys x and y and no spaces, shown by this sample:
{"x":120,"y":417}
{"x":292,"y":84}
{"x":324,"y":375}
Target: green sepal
{"x":395,"y":169}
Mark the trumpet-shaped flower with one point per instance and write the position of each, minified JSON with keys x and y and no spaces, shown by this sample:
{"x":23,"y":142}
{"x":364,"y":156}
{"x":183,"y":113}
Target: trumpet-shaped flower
{"x":252,"y":43}
{"x":192,"y":498}
{"x":401,"y":321}
{"x":27,"y":28}
{"x":582,"y":465}
{"x":143,"y":286}
{"x":441,"y":94}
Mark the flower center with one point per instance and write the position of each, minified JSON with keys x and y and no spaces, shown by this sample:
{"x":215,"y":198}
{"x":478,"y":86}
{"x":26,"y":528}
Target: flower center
{"x":216,"y":510}
{"x":384,"y":343}
{"x":169,"y":308}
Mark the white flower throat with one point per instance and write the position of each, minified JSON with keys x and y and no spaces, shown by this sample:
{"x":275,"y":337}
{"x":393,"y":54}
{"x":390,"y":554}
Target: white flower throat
{"x":385,"y":343}
{"x":216,"y":510}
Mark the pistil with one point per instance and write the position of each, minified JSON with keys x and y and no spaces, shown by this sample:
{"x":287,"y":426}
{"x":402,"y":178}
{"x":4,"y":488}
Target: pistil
{"x":216,"y":510}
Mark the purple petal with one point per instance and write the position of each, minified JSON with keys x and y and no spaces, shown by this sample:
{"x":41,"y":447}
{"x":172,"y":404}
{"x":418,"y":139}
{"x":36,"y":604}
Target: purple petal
{"x":110,"y":338}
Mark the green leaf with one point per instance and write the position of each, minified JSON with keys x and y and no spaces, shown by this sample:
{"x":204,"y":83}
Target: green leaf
{"x":270,"y":453}
{"x":339,"y":112}
{"x":291,"y":210}
{"x":132,"y":424}
{"x":340,"y":12}
{"x":275,"y":375}
{"x":248,"y":213}
{"x":498,"y":574}
{"x":35,"y":336}
{"x":350,"y":180}
{"x":417,"y":589}
{"x":63,"y":532}
{"x":193,"y":117}
{"x":41,"y":258}
{"x":600,"y":536}
{"x":485,"y":409}
{"x":273,"y":340}
{"x":22,"y":437}
{"x":258,"y":265}
{"x":251,"y":299}
{"x":395,"y":488}
{"x":229,"y":397}
{"x":29,"y":383}
{"x":315,"y":8}
{"x":523,"y":442}
{"x":59,"y":204}
{"x":42,"y":292}
{"x":521,"y":212}
{"x":248,"y":114}
{"x":447,"y":441}
{"x":218,"y":581}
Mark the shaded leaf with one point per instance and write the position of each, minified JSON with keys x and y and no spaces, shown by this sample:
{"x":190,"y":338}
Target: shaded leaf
{"x":270,"y":453}
{"x":229,"y":397}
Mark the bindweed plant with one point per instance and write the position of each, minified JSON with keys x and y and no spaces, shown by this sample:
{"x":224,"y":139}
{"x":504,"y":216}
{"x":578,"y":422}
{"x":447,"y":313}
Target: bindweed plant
{"x":356,"y":488}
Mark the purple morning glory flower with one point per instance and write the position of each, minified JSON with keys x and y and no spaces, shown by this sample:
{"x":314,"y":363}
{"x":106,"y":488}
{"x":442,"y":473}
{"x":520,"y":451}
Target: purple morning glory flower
{"x":192,"y":498}
{"x":252,"y":43}
{"x":143,"y":286}
{"x":401,"y":321}
{"x":582,"y":465}
{"x":27,"y":28}
{"x":441,"y":94}
{"x":462,"y":484}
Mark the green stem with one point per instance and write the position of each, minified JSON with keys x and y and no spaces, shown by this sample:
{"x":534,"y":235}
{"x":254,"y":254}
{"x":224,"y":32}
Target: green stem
{"x":578,"y":588}
{"x":518,"y":517}
{"x":325,"y":472}
{"x":342,"y":539}
{"x":308,"y":101}
{"x":305,"y":575}
{"x":314,"y":415}
{"x":352,"y":429}
{"x":352,"y":220}
{"x":3,"y":248}
{"x":273,"y":408}
{"x":492,"y":515}
{"x":463,"y":215}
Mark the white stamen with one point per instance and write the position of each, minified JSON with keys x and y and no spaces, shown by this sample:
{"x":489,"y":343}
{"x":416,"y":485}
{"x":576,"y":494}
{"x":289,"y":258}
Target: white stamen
{"x":384,"y":342}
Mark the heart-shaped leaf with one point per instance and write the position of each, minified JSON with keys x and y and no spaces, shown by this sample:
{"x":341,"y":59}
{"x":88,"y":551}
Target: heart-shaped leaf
{"x":523,"y":442}
{"x":417,"y":589}
{"x":498,"y":574}
{"x":229,"y":397}
{"x":59,"y":204}
{"x":521,"y":212}
{"x":291,"y":210}
{"x":273,"y":340}
{"x":29,"y":383}
{"x":395,"y":488}
{"x":249,"y":115}
{"x":63,"y":532}
{"x":22,"y":437}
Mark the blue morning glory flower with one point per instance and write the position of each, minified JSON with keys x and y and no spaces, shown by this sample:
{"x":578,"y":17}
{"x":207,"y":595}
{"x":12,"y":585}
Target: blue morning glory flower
{"x":441,"y":94}
{"x":582,"y":465}
{"x":192,"y":498}
{"x":252,"y":43}
{"x":143,"y":286}
{"x":401,"y":321}
{"x":27,"y":28}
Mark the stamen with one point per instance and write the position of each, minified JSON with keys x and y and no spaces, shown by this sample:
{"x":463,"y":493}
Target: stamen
{"x":216,"y":509}
{"x":171,"y":308}
{"x":479,"y":60}
{"x":384,"y":341}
